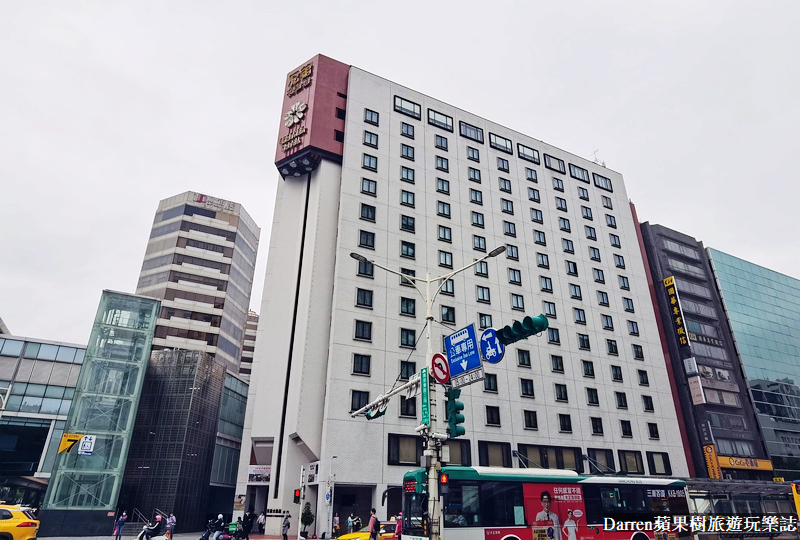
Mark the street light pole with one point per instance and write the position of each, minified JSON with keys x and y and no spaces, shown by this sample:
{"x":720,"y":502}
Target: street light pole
{"x":432,"y":436}
{"x":330,"y":490}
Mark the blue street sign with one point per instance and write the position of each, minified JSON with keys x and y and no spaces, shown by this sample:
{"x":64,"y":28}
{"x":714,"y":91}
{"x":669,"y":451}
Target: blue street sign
{"x":462,"y":351}
{"x":491,"y":348}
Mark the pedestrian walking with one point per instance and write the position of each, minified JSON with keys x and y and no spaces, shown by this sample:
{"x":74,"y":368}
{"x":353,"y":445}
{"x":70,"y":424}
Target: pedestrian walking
{"x":374,"y":525}
{"x":247,"y":524}
{"x":336,"y":525}
{"x":350,"y":521}
{"x":262,"y":522}
{"x":398,"y":529}
{"x":286,"y":525}
{"x":171,"y":520}
{"x":120,"y":525}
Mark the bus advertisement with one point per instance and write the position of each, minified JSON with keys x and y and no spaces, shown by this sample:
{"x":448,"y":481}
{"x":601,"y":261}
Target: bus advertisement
{"x":487,"y":503}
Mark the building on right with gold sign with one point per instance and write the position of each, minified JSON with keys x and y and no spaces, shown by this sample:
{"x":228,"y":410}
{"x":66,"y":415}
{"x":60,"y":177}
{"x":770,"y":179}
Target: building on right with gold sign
{"x":721,"y":424}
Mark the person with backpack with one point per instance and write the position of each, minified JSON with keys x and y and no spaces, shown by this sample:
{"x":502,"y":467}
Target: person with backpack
{"x":374,"y":525}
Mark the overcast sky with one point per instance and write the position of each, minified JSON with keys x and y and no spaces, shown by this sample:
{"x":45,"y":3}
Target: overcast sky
{"x":107,"y":107}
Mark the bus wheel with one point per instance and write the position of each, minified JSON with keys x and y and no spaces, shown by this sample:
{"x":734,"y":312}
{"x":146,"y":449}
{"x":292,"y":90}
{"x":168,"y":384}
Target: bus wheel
{"x":640,"y":536}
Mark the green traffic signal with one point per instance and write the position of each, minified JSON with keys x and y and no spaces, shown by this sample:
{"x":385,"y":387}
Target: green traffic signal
{"x":454,"y":416}
{"x":522,"y":329}
{"x":421,"y":481}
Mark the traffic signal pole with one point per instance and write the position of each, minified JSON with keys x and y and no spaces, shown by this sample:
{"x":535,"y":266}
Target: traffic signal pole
{"x":431,"y":435}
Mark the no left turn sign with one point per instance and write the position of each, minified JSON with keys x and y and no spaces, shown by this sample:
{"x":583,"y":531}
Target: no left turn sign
{"x":441,"y":369}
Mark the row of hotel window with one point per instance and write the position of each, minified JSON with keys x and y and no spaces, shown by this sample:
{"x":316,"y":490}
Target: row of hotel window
{"x":408,"y":307}
{"x":474,"y":133}
{"x":408,"y":450}
{"x":366,"y":239}
{"x":366,"y":269}
{"x":408,"y":199}
{"x":362,"y":366}
{"x":476,"y":196}
{"x":408,"y":408}
{"x":370,"y":162}
{"x":408,"y":336}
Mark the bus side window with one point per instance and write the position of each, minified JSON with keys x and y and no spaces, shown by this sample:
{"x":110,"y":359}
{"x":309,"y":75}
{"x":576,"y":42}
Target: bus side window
{"x":594,"y":508}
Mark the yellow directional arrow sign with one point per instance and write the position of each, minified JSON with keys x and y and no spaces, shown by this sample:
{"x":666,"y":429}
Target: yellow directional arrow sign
{"x":68,"y":440}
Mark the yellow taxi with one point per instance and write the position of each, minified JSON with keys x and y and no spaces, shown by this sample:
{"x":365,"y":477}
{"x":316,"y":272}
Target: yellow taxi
{"x":386,"y":532}
{"x":17,"y":524}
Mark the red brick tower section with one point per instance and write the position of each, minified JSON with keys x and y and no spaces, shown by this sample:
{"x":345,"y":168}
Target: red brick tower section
{"x":312,"y":118}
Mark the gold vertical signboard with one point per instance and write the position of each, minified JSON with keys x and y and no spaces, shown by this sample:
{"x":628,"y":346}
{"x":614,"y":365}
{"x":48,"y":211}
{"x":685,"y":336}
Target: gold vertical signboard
{"x":712,"y":463}
{"x":675,"y":311}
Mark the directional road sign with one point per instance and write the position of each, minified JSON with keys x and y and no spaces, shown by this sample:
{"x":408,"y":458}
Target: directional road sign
{"x":441,"y":369}
{"x":462,"y":351}
{"x":491,"y":348}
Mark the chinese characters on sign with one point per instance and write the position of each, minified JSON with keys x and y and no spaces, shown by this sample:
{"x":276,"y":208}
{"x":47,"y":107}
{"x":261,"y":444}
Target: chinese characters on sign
{"x":214,"y":202}
{"x":712,"y":463}
{"x":705,"y":339}
{"x":773,"y":523}
{"x":675,"y":311}
{"x":299,"y":79}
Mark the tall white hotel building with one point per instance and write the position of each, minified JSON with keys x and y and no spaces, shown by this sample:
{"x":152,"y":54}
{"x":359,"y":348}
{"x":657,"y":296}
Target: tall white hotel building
{"x":418,"y":185}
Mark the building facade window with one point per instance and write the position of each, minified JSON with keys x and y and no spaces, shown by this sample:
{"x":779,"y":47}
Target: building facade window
{"x":407,"y":250}
{"x":625,"y":427}
{"x":440,"y":142}
{"x":592,"y":397}
{"x":484,"y":320}
{"x":361,"y":364}
{"x":588,"y":368}
{"x":440,"y":120}
{"x":408,"y":337}
{"x":546,"y":284}
{"x":502,"y":164}
{"x":407,"y":175}
{"x":443,"y":186}
{"x":492,"y":416}
{"x":474,"y":175}
{"x":445,"y":259}
{"x":483,"y":294}
{"x":369,"y":187}
{"x":490,"y":382}
{"x":370,"y":139}
{"x":475,"y":196}
{"x":477,"y":219}
{"x":482,"y":269}
{"x":365,"y":268}
{"x":561,"y":392}
{"x":611,"y":346}
{"x":523,"y":358}
{"x":407,"y":130}
{"x":445,"y":234}
{"x":583,"y":342}
{"x":526,"y":387}
{"x":443,"y":209}
{"x":514,"y":276}
{"x":370,"y":162}
{"x":408,"y":108}
{"x":367,"y":212}
{"x":579,"y":315}
{"x":407,"y":198}
{"x":371,"y":117}
{"x":442,"y":164}
{"x":554,"y":164}
{"x":553,"y":336}
{"x":407,"y":223}
{"x":408,"y":306}
{"x":478,"y":243}
{"x":597,"y":426}
{"x":448,"y":314}
{"x":408,"y":407}
{"x":363,"y":298}
{"x":473,"y":154}
{"x":531,"y":422}
{"x":363,"y":331}
{"x":358,"y":400}
{"x":517,"y":301}
{"x":549,"y":309}
{"x":564,"y":423}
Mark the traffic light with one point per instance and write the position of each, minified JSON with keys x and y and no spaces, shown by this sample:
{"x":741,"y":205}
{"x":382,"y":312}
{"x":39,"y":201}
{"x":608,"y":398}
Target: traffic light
{"x":297,"y":496}
{"x":522,"y":329}
{"x":454,"y":416}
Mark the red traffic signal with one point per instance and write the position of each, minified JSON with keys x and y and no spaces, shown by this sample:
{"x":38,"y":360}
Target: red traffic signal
{"x":297,"y":496}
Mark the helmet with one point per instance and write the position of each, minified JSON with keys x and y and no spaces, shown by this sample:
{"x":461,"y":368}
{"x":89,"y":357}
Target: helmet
{"x":219,"y":516}
{"x":158,"y":517}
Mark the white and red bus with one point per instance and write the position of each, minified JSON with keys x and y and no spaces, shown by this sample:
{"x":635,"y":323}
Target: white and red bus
{"x":493,"y":503}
